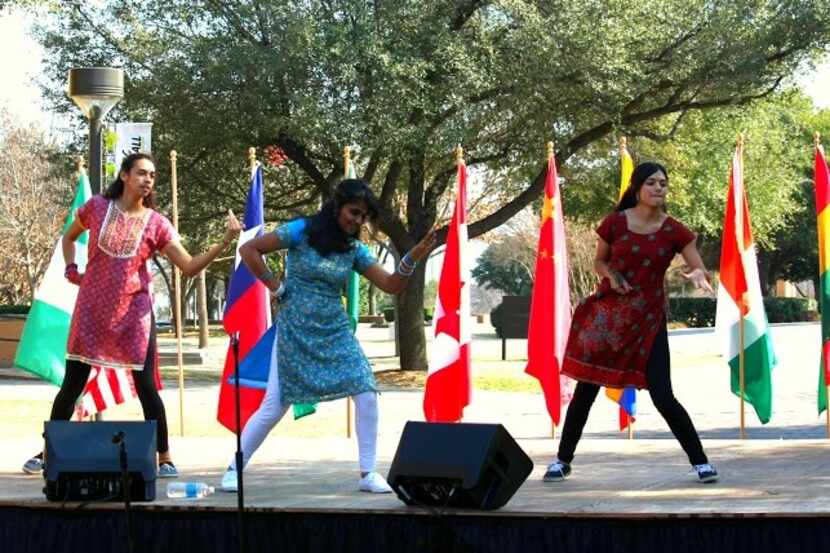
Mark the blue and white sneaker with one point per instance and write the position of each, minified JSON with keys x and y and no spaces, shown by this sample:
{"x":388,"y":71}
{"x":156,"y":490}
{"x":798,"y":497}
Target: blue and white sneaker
{"x":168,"y":470}
{"x":34,"y":465}
{"x":229,"y":481}
{"x":557,"y":471}
{"x":706,"y":473}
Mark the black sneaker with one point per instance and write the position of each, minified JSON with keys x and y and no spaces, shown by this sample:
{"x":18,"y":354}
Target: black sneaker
{"x":706,"y":473}
{"x":557,"y":471}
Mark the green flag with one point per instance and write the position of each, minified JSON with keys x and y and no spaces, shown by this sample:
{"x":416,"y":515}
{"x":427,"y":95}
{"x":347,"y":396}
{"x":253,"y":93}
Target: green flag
{"x":42,"y":348}
{"x":353,"y":284}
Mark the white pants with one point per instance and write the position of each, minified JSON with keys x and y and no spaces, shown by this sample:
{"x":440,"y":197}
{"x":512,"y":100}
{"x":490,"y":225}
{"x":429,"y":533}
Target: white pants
{"x":272,"y":410}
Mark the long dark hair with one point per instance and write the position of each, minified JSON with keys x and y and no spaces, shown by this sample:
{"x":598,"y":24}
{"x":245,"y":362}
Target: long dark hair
{"x":116,"y":187}
{"x":643,"y":171}
{"x":324,"y":233}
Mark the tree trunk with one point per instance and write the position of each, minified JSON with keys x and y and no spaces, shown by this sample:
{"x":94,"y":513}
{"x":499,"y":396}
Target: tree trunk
{"x":371,"y":297}
{"x":203,"y":311}
{"x":410,"y":303}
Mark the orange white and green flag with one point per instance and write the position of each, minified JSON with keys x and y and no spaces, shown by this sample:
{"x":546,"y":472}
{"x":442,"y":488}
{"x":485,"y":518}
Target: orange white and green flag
{"x":739,"y":296}
{"x":822,"y":185}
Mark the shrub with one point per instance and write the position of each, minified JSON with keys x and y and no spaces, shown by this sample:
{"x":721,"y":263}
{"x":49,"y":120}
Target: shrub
{"x":693,"y":312}
{"x":495,"y":319}
{"x":389,"y":314}
{"x":699,"y":312}
{"x":14,"y":309}
{"x":790,"y":310}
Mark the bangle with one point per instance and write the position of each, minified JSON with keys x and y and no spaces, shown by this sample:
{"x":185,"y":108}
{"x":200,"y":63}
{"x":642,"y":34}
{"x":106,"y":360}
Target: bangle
{"x":404,"y":269}
{"x":266,"y":276}
{"x":71,"y":268}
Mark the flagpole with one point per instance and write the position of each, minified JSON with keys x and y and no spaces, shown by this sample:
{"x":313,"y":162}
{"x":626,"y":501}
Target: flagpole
{"x":347,"y":156}
{"x":459,"y":161}
{"x":623,"y":152}
{"x":743,"y":301}
{"x":826,"y":383}
{"x":549,"y":149}
{"x":177,"y":290}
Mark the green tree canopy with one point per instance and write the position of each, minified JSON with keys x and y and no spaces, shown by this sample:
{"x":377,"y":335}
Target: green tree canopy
{"x":408,"y":80}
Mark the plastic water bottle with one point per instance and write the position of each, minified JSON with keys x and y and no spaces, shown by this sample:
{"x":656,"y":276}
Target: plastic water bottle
{"x":188,"y":490}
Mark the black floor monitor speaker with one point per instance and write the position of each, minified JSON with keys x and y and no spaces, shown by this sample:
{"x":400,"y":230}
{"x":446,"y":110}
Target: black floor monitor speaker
{"x":474,"y":466}
{"x":83,"y":460}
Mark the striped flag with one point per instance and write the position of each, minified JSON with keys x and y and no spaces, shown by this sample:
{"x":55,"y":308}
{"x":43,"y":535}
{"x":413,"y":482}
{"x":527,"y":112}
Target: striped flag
{"x":550,"y":305}
{"x":822,"y":183}
{"x":447,"y":389}
{"x":42,"y":349}
{"x":739,"y":296}
{"x":247,"y":312}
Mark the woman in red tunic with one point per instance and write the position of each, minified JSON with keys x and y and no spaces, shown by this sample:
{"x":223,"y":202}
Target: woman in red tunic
{"x":112,"y":325}
{"x":618,"y":335}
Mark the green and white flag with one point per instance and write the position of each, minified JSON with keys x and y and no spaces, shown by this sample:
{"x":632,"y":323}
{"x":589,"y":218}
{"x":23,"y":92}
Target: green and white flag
{"x":353,"y":283}
{"x":42,"y":348}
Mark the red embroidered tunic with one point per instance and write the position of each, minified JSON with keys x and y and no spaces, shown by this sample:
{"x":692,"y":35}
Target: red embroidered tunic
{"x":112,"y":317}
{"x":612,"y":334}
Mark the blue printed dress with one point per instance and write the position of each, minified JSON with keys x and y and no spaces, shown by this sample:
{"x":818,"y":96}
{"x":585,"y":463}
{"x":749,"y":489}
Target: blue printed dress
{"x":319,"y":356}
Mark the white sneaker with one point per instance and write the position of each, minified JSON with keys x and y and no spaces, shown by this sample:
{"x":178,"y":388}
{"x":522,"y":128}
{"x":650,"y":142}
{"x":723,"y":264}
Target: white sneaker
{"x":229,"y":483}
{"x":374,"y":483}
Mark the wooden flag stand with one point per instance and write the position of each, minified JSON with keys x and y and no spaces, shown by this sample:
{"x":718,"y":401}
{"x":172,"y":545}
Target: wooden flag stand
{"x":347,"y":158}
{"x":177,"y":290}
{"x":742,"y":308}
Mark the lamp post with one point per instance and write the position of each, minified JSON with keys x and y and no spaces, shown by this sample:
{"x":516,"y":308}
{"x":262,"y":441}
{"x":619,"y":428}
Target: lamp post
{"x":95,"y":90}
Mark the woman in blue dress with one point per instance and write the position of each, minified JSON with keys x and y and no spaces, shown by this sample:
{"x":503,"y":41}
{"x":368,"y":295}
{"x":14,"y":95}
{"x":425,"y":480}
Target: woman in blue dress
{"x":318,"y":356}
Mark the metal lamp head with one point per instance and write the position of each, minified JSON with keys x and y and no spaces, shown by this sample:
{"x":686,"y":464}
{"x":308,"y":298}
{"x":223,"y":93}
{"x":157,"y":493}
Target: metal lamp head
{"x":96,"y":90}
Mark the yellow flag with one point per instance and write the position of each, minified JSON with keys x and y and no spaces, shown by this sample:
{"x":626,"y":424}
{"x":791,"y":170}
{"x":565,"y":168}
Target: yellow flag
{"x":626,"y":168}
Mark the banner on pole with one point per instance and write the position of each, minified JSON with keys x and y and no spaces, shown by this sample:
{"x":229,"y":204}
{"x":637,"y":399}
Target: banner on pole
{"x":132,"y":139}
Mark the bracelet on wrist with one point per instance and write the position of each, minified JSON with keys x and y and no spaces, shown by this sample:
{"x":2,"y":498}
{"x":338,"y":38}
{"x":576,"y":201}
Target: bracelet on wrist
{"x":403,"y":270}
{"x":266,"y":276}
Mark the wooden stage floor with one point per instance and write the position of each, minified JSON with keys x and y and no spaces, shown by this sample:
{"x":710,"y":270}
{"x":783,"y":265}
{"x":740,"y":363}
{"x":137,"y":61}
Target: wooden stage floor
{"x":611,"y":478}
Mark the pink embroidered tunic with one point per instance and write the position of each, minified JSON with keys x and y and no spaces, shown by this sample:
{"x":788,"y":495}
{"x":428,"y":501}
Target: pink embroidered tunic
{"x":113,"y":313}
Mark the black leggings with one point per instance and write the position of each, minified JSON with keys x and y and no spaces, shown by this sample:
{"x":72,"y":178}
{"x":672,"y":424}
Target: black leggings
{"x":658,"y":377}
{"x":77,"y":373}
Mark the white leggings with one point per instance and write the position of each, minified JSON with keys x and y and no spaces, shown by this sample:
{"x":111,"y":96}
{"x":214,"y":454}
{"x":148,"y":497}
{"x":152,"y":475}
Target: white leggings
{"x":272,"y":410}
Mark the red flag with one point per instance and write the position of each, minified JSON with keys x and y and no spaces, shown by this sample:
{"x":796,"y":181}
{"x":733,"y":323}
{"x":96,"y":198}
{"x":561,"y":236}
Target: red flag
{"x":550,"y":307}
{"x":447,"y":389}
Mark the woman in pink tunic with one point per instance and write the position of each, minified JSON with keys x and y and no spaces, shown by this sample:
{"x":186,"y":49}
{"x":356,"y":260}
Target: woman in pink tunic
{"x":112,"y":325}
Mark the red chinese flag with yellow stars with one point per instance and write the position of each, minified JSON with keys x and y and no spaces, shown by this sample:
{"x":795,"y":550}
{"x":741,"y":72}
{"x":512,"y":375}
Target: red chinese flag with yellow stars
{"x":550,"y":307}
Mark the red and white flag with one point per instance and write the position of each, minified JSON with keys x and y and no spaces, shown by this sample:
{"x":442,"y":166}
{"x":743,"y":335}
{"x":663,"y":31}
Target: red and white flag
{"x":448,"y":380}
{"x":108,"y":387}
